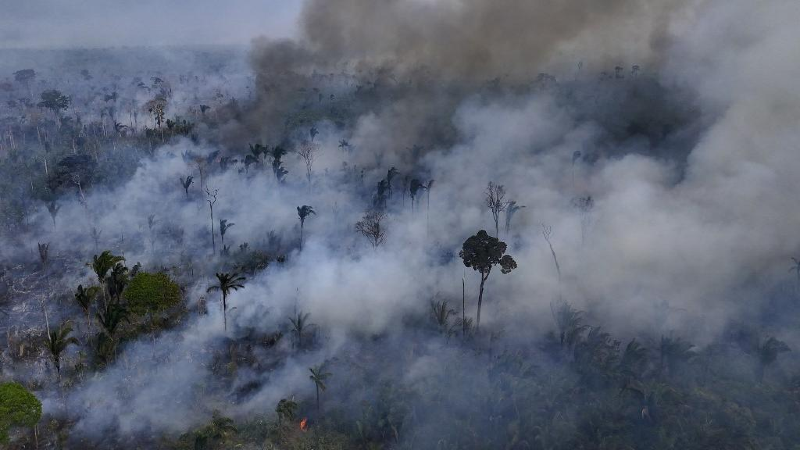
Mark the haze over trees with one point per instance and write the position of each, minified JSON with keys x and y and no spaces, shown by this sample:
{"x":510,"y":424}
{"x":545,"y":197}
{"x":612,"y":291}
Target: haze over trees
{"x":640,"y":160}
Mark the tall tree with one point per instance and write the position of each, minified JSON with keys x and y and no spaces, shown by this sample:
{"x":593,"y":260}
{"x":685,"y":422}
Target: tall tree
{"x":211,"y":198}
{"x":277,"y":153}
{"x":223,"y":227}
{"x":300,"y":325}
{"x":389,"y":177}
{"x":413,"y":189}
{"x":482,"y":252}
{"x":102,"y":264}
{"x":303,"y":212}
{"x":227,"y":282}
{"x":308,"y":153}
{"x":495,"y":201}
{"x":318,"y":376}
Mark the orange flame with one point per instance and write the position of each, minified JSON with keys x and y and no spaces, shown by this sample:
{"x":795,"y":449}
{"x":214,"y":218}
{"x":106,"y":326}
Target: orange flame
{"x":304,"y":424}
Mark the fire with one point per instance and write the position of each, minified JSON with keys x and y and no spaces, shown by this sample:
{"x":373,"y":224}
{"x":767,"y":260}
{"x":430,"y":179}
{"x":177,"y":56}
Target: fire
{"x":304,"y":424}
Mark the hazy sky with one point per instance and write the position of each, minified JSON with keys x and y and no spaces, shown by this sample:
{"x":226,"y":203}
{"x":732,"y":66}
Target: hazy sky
{"x":104,"y":23}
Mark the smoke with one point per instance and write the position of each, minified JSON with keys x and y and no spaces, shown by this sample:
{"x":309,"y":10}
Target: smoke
{"x":475,"y":40}
{"x":691,"y":164}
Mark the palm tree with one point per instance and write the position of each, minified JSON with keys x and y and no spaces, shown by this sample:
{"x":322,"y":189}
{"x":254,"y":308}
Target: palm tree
{"x":223,"y":227}
{"x":226,"y":283}
{"x":428,"y":187}
{"x":318,"y":376}
{"x":85,"y":297}
{"x":441,"y":315}
{"x":186,"y":182}
{"x":110,"y":318}
{"x":415,"y":186}
{"x":117,"y":281}
{"x":102,"y":264}
{"x":58,"y":340}
{"x":303,"y":212}
{"x":389,"y":177}
{"x":299,"y":325}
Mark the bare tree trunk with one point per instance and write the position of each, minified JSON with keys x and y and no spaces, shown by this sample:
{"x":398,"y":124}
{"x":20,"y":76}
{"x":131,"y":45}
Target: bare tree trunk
{"x":463,"y":307}
{"x":480,"y":301}
{"x":213,"y":237}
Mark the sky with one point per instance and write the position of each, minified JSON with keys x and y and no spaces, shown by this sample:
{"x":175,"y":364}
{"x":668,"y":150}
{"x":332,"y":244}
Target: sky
{"x":110,"y":23}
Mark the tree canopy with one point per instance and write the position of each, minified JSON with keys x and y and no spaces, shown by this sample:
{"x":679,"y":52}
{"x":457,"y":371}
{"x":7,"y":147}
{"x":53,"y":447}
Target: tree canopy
{"x":18,"y":408}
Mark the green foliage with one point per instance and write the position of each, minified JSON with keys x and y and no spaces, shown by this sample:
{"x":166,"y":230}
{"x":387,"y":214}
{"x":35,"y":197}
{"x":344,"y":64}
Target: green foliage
{"x":286,"y":410}
{"x":149,"y":293}
{"x":103,"y":263}
{"x":54,"y":100}
{"x":481,"y":252}
{"x":58,"y":341}
{"x":18,"y":408}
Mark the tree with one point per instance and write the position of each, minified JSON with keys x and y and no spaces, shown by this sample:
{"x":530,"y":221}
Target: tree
{"x":511,"y":210}
{"x":186,"y":182}
{"x":117,"y":281}
{"x":55,"y":101}
{"x":18,"y":408}
{"x":211,"y":198}
{"x":53,"y":208}
{"x":227,"y":282}
{"x":303,"y":212}
{"x":428,"y":188}
{"x":547,"y":232}
{"x":390,"y":174}
{"x":482,"y":252}
{"x":441,"y":313}
{"x":495,"y":195}
{"x":796,"y":269}
{"x":413,"y":189}
{"x":768,"y":353}
{"x":300,"y":325}
{"x":156,"y":107}
{"x":150,"y":293}
{"x":223,"y":227}
{"x":370,"y":226}
{"x":308,"y":153}
{"x":286,"y":409}
{"x":110,"y":316}
{"x":318,"y":376}
{"x":85,"y":298}
{"x":44,"y":253}
{"x":102,"y":264}
{"x":26,"y":77}
{"x":277,"y":154}
{"x":58,"y":341}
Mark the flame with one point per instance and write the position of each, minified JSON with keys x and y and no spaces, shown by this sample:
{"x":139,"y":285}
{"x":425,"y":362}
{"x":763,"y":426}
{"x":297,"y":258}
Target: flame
{"x":304,"y":424}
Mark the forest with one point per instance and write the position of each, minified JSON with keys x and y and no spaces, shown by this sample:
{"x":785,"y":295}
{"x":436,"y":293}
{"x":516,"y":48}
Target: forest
{"x":415,"y":224}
